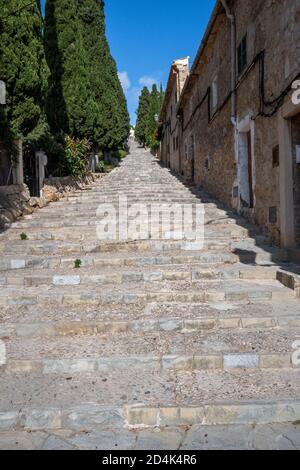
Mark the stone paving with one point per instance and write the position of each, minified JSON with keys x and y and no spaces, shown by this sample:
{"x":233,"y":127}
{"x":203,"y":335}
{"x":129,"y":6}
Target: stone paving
{"x":152,"y":344}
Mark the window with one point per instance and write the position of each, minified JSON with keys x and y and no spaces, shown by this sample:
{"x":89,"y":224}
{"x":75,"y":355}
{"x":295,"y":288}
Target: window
{"x":276,"y":156}
{"x":177,"y":143}
{"x":176,"y":97}
{"x":174,"y":144}
{"x":242,"y":55}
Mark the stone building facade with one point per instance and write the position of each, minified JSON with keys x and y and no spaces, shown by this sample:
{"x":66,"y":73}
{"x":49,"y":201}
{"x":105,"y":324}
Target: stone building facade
{"x":237,"y":126}
{"x":170,"y":144}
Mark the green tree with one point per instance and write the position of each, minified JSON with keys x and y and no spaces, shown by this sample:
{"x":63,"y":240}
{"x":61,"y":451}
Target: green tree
{"x":23,"y":68}
{"x":147,"y":126}
{"x":112,"y":120}
{"x":152,"y":118}
{"x":142,"y":117}
{"x":85,"y":97}
{"x":70,"y":104}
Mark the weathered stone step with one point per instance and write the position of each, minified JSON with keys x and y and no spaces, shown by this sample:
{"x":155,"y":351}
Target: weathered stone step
{"x":149,"y":245}
{"x":246,"y":252}
{"x":88,"y":276}
{"x":278,"y":436}
{"x":142,"y":293}
{"x":218,"y":414}
{"x":178,"y":362}
{"x":86,"y":233}
{"x":188,"y":325}
{"x":284,"y":314}
{"x":204,"y":349}
{"x":93,"y":424}
{"x":143,"y":246}
{"x":122,"y":259}
{"x":149,"y":388}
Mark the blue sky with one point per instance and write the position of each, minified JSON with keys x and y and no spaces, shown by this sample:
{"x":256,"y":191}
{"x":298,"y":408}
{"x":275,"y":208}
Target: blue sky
{"x":147,"y":35}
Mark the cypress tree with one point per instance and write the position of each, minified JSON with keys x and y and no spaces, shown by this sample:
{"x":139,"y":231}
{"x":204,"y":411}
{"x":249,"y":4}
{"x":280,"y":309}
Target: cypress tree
{"x":142,"y":116}
{"x":112,"y":127}
{"x":23,"y":68}
{"x":85,"y":95}
{"x":152,"y":115}
{"x":70,"y":104}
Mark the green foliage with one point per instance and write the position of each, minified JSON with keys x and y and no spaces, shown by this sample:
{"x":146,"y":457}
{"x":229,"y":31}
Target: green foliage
{"x":76,"y":156}
{"x":101,"y":167}
{"x":147,"y":127}
{"x":119,"y":154}
{"x":85,"y":98}
{"x":23,"y":68}
{"x":23,"y":236}
{"x":77,"y":264}
{"x":142,"y":113}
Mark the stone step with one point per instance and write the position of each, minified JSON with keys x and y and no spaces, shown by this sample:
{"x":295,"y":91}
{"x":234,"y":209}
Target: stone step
{"x":91,"y":213}
{"x":272,"y":436}
{"x":76,"y":414}
{"x":172,"y":362}
{"x":88,"y":276}
{"x":122,"y":259}
{"x":142,"y":293}
{"x":181,"y":350}
{"x":246,"y":251}
{"x":283,"y":313}
{"x":83,"y":327}
{"x":94,"y":220}
{"x":85,"y":233}
{"x":148,"y":245}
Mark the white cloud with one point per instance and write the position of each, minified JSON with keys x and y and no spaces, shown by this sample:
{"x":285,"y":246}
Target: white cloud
{"x":147,"y":81}
{"x":125,"y":81}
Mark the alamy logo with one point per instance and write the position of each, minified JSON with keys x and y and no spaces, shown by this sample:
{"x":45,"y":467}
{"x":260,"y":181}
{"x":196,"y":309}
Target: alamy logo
{"x":122,"y":221}
{"x":296,"y":94}
{"x":296,"y":354}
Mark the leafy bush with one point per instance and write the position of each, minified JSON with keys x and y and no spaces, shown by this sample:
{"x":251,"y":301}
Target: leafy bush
{"x":77,"y":264}
{"x":76,"y":155}
{"x":119,"y":154}
{"x":101,"y":167}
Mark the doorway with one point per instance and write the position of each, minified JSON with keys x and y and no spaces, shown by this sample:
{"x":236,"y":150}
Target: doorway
{"x":295,"y":129}
{"x":246,"y":171}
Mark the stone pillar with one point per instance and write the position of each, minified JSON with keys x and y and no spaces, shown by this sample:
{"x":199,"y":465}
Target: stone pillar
{"x":42,"y":161}
{"x":18,"y":170}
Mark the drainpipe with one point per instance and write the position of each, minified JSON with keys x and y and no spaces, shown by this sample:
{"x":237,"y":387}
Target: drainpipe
{"x":231,"y":18}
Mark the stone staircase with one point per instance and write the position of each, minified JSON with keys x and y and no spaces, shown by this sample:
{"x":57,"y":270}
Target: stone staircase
{"x":149,"y":344}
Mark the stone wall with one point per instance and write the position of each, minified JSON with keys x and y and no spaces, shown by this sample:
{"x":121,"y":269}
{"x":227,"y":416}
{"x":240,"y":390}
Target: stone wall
{"x":210,"y":145}
{"x":15,"y":200}
{"x":170,"y":144}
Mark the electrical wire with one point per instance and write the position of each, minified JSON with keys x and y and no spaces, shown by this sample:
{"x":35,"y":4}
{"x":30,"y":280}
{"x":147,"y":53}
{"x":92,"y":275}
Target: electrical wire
{"x":264,"y":103}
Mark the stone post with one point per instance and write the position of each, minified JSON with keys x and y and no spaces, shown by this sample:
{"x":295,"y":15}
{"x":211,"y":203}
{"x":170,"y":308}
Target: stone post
{"x":42,"y":161}
{"x":18,"y":170}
